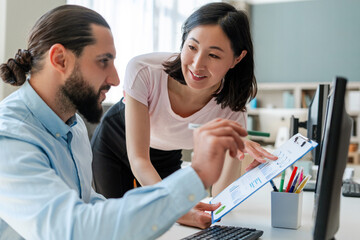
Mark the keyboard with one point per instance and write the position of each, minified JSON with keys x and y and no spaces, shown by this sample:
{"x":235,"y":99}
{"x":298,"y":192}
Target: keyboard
{"x":226,"y":232}
{"x":350,"y":189}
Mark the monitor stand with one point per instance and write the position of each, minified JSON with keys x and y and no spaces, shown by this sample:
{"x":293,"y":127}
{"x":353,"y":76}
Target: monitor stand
{"x":295,"y":124}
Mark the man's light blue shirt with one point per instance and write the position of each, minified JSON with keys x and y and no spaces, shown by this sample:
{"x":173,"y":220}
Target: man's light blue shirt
{"x":45,"y":182}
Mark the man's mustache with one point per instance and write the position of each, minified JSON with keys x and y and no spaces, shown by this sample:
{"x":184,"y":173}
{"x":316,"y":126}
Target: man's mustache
{"x":106,"y":87}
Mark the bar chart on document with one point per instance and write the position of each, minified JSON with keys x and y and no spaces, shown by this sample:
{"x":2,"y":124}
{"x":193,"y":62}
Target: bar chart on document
{"x":288,"y":153}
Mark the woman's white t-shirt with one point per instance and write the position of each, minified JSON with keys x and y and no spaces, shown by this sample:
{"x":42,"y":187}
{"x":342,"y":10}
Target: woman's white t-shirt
{"x":147,"y":82}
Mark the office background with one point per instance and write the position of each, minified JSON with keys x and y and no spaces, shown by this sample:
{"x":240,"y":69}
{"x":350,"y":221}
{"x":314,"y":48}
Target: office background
{"x":294,"y":41}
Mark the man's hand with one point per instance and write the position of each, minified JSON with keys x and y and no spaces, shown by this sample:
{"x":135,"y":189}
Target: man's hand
{"x":211,"y":141}
{"x":198,"y":217}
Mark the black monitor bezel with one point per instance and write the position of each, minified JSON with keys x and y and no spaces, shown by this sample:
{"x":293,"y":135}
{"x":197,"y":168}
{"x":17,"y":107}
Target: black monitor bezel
{"x":334,"y":150}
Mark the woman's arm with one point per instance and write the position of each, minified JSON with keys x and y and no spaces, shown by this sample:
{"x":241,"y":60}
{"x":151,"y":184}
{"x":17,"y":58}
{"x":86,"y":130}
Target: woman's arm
{"x":233,"y":168}
{"x":231,"y":171}
{"x":137,"y":124}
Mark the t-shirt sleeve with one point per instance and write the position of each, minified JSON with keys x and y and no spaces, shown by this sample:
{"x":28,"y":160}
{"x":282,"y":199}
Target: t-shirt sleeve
{"x":243,"y":119}
{"x":136,"y":81}
{"x":240,"y":117}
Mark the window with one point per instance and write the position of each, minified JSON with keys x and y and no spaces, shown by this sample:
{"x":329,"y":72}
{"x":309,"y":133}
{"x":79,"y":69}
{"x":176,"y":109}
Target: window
{"x":142,"y":26}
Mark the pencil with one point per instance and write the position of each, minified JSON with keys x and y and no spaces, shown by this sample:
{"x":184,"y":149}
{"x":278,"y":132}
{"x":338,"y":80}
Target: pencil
{"x":291,"y":179}
{"x":292,"y":188}
{"x":302,"y":184}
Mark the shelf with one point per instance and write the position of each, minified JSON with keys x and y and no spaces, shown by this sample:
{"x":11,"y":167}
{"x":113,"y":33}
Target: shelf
{"x":277,"y":101}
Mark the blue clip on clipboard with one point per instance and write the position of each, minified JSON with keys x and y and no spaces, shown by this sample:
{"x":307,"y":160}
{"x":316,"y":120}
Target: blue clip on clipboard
{"x":237,"y":192}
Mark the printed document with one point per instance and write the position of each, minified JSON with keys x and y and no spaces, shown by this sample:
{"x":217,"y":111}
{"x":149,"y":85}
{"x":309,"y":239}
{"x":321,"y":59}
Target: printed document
{"x":288,"y":153}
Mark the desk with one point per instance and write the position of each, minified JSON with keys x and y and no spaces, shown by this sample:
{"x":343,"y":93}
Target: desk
{"x":255,"y":212}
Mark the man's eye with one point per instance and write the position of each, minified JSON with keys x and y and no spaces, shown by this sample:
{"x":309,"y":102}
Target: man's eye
{"x":104,"y":62}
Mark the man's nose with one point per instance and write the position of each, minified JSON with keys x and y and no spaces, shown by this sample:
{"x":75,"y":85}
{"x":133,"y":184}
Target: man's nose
{"x":113,"y":79}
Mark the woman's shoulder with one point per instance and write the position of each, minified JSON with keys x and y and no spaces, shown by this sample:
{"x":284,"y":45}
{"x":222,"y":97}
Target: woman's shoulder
{"x":227,"y":113}
{"x":154,"y":60}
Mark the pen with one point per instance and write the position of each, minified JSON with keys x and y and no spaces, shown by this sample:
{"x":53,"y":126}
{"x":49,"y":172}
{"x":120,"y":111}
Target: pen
{"x":194,"y":125}
{"x":301,"y":174}
{"x":282,"y":181}
{"x":302,"y":184}
{"x":252,"y":133}
{"x":292,"y":188}
{"x":291,"y":179}
{"x":274,"y":186}
{"x":301,"y":177}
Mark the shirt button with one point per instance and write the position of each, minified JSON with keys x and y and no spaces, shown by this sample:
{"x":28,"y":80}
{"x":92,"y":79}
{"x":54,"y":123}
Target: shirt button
{"x":57,"y":135}
{"x":191,"y":197}
{"x":154,"y":228}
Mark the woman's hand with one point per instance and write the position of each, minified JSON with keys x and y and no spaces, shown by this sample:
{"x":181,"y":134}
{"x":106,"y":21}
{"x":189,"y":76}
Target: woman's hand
{"x":211,"y":142}
{"x":257,"y":152}
{"x":198,"y":215}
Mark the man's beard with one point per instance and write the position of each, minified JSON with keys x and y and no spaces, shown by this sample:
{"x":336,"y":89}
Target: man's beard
{"x":83,"y":97}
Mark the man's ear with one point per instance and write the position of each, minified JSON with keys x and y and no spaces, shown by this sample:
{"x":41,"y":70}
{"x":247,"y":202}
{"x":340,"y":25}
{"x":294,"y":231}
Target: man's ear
{"x":60,"y":58}
{"x":239,"y":58}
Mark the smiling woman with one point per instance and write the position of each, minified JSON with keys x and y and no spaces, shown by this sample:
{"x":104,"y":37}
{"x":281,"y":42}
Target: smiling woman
{"x":212,"y":77}
{"x":205,"y":59}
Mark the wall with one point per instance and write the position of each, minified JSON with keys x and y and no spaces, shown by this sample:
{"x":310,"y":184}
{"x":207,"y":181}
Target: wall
{"x":16,"y":19}
{"x":306,"y":41}
{"x":2,"y":40}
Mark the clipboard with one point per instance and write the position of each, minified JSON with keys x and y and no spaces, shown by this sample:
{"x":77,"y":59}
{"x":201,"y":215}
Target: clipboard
{"x":242,"y":188}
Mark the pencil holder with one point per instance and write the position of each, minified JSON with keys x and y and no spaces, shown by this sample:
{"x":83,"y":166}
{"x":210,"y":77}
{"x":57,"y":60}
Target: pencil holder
{"x":286,"y":209}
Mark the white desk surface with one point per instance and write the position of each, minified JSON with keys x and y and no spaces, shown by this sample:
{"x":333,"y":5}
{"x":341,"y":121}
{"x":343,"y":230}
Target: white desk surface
{"x":255,"y":212}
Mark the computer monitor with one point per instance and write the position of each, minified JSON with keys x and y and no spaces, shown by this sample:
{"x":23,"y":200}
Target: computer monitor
{"x":314,"y":126}
{"x":315,"y":121}
{"x":333,"y":158}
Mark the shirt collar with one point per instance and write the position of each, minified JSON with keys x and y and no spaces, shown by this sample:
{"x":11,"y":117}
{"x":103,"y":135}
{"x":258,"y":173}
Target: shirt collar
{"x":50,"y":120}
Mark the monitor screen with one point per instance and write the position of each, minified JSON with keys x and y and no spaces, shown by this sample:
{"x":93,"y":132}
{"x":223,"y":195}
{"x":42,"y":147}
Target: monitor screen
{"x":316,"y":114}
{"x":333,"y":158}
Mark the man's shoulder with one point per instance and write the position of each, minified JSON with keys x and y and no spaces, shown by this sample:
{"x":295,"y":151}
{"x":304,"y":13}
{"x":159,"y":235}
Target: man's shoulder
{"x":15,"y":118}
{"x":12,"y":109}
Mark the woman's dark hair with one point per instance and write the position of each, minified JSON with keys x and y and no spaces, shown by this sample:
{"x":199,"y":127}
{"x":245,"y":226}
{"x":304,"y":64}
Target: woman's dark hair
{"x":69,"y":25}
{"x":240,"y":82}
